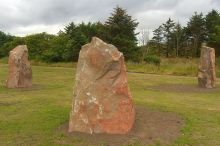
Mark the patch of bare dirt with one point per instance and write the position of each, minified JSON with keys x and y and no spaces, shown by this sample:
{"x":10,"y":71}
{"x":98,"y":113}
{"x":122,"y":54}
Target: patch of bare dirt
{"x":6,"y":96}
{"x":183,"y":88}
{"x":33,"y":87}
{"x":150,"y":127}
{"x":7,"y":103}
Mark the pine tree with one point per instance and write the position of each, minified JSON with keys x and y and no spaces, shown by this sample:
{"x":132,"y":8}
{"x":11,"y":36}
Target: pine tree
{"x":197,"y":31}
{"x":178,"y":33}
{"x":212,"y":21}
{"x":168,"y":29}
{"x":121,"y":31}
{"x":70,"y":29}
{"x":157,"y":38}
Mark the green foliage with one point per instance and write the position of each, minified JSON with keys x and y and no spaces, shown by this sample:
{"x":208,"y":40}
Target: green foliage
{"x":120,"y":29}
{"x":197,"y":31}
{"x":168,"y":29}
{"x":152,"y":59}
{"x":136,"y":56}
{"x":216,"y":34}
{"x":65,"y":46}
{"x":6,"y":47}
{"x":38,"y":45}
{"x":212,"y":20}
{"x":79,"y":40}
{"x":178,"y":38}
{"x":4,"y":38}
{"x":186,"y":41}
{"x":170,"y":39}
{"x":78,"y":35}
{"x":156,"y":42}
{"x":59,"y":50}
{"x":215,"y":40}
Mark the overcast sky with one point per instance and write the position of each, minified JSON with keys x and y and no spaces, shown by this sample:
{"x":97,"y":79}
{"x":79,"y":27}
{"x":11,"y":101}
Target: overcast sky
{"x":23,"y":17}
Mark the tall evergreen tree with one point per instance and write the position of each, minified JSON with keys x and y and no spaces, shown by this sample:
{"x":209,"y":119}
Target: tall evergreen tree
{"x":215,"y":40}
{"x":212,"y":19}
{"x":216,"y":34}
{"x":212,"y":25}
{"x":70,"y":29}
{"x":168,"y":29}
{"x":178,"y":33}
{"x":157,"y":38}
{"x":121,"y":31}
{"x":78,"y":39}
{"x":197,"y":31}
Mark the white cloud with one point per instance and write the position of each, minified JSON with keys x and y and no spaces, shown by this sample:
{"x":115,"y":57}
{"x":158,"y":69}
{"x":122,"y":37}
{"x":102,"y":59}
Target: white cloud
{"x":31,"y":29}
{"x":22,"y":17}
{"x":153,"y":18}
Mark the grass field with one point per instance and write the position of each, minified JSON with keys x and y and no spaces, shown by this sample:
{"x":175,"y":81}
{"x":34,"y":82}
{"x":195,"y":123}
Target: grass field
{"x":168,"y":66}
{"x":172,"y":66}
{"x":31,"y":116}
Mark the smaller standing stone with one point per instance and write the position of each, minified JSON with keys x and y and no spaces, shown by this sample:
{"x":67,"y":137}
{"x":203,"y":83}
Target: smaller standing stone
{"x":206,"y":74}
{"x":20,"y":73}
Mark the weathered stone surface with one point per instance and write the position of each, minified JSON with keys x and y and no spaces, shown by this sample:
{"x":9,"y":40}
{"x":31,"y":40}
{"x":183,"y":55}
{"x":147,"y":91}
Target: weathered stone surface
{"x":102,"y":100}
{"x":206,"y":74}
{"x":20,"y":73}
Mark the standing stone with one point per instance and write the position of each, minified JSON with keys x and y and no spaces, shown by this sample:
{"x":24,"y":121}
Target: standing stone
{"x":20,"y":73}
{"x":102,"y":100}
{"x":206,"y":74}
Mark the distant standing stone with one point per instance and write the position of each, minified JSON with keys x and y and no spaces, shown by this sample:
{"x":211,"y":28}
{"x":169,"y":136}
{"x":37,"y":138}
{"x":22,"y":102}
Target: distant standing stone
{"x":20,"y":73}
{"x":206,"y":74}
{"x":102,"y":101}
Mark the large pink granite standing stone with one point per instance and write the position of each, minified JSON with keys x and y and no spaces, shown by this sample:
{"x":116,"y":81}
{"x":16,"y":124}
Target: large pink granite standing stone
{"x":206,"y":74}
{"x":102,"y":101}
{"x":20,"y":73}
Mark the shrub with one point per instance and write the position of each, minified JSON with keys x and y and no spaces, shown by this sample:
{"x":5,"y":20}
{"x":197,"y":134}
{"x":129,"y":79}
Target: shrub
{"x":152,"y":59}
